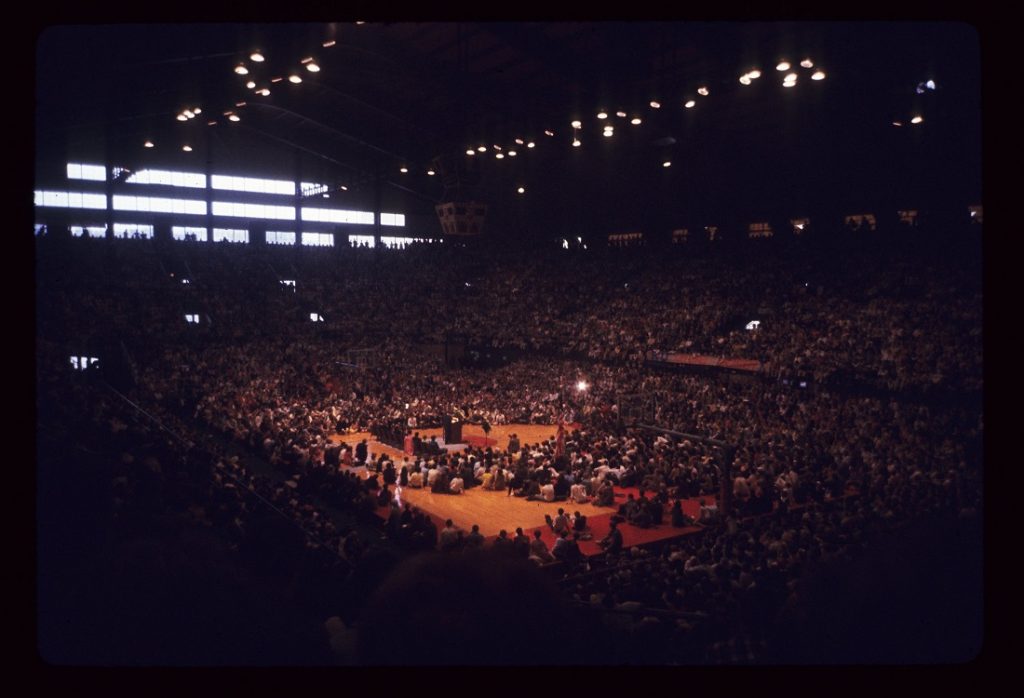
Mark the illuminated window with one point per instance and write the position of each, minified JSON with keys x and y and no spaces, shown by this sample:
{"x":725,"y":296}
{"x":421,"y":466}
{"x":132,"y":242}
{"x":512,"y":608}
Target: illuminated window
{"x":230,"y":235}
{"x":392,"y":219}
{"x":680,"y":236}
{"x":81,"y":363}
{"x":753,"y":324}
{"x":909,"y":217}
{"x":278,"y":237}
{"x":318,"y":239}
{"x":192,"y":319}
{"x":133,"y":231}
{"x":760,"y":230}
{"x":799,"y":225}
{"x":316,"y":317}
{"x":359,"y":240}
{"x":94,"y":172}
{"x":182,"y":232}
{"x":39,"y":229}
{"x":312,"y":188}
{"x":625,"y":239}
{"x":712,"y":231}
{"x":169,"y":178}
{"x":159,"y":205}
{"x":65,"y":199}
{"x":93,"y":231}
{"x":288,"y":283}
{"x":333,"y":215}
{"x":238,"y":209}
{"x":253,"y":184}
{"x":975,"y":213}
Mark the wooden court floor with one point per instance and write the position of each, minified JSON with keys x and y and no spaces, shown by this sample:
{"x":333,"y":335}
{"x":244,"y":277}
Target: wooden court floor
{"x":492,"y":511}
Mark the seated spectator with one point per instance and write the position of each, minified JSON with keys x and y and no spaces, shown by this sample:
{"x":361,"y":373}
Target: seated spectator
{"x":539,"y":552}
{"x":456,"y":485}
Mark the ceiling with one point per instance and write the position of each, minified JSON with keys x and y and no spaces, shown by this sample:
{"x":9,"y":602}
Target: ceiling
{"x":405,"y":94}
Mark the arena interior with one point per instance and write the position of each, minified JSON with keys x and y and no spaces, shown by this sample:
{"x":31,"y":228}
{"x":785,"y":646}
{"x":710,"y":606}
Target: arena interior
{"x":476,"y":343}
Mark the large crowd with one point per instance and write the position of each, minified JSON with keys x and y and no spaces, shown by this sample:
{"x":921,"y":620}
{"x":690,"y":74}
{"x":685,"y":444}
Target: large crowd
{"x":241,"y":423}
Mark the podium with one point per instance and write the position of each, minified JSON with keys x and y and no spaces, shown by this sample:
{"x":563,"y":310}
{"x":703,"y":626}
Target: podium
{"x":452,"y":430}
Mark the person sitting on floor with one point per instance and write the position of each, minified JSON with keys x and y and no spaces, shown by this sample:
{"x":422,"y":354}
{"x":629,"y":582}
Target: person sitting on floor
{"x":539,"y":552}
{"x":416,"y":478}
{"x":612,"y":543}
{"x":456,"y":485}
{"x":578,"y":494}
{"x":605,"y":495}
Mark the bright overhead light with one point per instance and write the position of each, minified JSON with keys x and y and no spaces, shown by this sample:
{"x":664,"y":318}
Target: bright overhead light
{"x":702,"y":91}
{"x":745,"y":79}
{"x":608,"y":134}
{"x":313,"y":67}
{"x":531,"y":144}
{"x":276,"y":79}
{"x":635,"y":121}
{"x":807,"y":63}
{"x":403,"y":169}
{"x":189,"y":113}
{"x":784,"y":65}
{"x":512,"y":153}
{"x":655,"y":105}
{"x":211,"y":122}
{"x":241,"y":69}
{"x":818,"y":75}
{"x":690,"y":104}
{"x":187,"y":148}
{"x":263,"y":92}
{"x":295,"y":79}
{"x":917,"y":120}
{"x":197,"y":110}
{"x":930,"y":84}
{"x":602,"y":115}
{"x":470,"y":151}
{"x":307,"y":59}
{"x":147,"y":144}
{"x":251,"y":84}
{"x":430,"y":172}
{"x":576,"y":124}
{"x":521,"y":190}
{"x":496,"y":146}
{"x":482,"y":149}
{"x":576,"y":143}
{"x":181,"y":117}
{"x":328,"y":44}
{"x":499,"y":156}
{"x":256,"y":56}
{"x":327,"y":195}
{"x":667,"y":163}
{"x":549,"y":133}
{"x":581,"y":386}
{"x":789,"y":83}
{"x":897,"y":123}
{"x":344,"y":188}
{"x":620,"y":114}
{"x":519,"y":141}
{"x":234,"y":117}
{"x":754,"y":74}
{"x":237,"y":104}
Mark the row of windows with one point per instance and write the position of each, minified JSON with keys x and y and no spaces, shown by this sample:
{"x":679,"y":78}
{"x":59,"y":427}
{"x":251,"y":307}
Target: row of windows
{"x":397,"y":242}
{"x":278,"y":237}
{"x":253,"y":184}
{"x":94,"y":172}
{"x":197,"y":207}
{"x":184,"y":232}
{"x":331,"y":215}
{"x":133,"y":230}
{"x":229,"y":235}
{"x":81,"y":363}
{"x":169,"y":178}
{"x":93,"y":231}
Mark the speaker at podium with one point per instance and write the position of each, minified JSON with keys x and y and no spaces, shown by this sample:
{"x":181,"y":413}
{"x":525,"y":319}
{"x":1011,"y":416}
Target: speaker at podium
{"x":452,"y":430}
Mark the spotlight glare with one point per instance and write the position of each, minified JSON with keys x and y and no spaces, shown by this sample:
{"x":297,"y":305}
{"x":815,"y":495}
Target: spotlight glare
{"x":690,"y":104}
{"x":581,"y":386}
{"x":702,"y":91}
{"x":521,"y":190}
{"x":818,"y":75}
{"x":807,"y":63}
{"x":256,"y":56}
{"x":784,"y":65}
{"x":655,"y":105}
{"x":576,"y":124}
{"x":295,"y":79}
{"x":917,"y":120}
{"x":602,"y":115}
{"x":636,"y":121}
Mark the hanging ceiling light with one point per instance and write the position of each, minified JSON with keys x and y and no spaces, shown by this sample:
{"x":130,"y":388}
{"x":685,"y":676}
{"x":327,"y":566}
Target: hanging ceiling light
{"x":512,"y":153}
{"x":655,"y":105}
{"x":602,"y":115}
{"x":187,"y":148}
{"x":784,"y":65}
{"x":263,"y":92}
{"x":181,"y":117}
{"x":531,"y":144}
{"x":256,"y":56}
{"x":807,"y":63}
{"x":521,"y":190}
{"x":295,"y":79}
{"x":251,"y":84}
{"x":519,"y":141}
{"x":430,"y":172}
{"x":745,"y":79}
{"x":818,"y":75}
{"x":917,"y":120}
{"x":482,"y":149}
{"x":234,"y":117}
{"x":620,"y":114}
{"x":147,"y":144}
{"x":702,"y":91}
{"x":278,"y":79}
{"x":635,"y":121}
{"x":754,"y":74}
{"x":576,"y":124}
{"x":690,"y":104}
{"x":403,"y":169}
{"x":241,"y":69}
{"x":312,"y":67}
{"x":576,"y":143}
{"x":499,"y":156}
{"x":328,"y":44}
{"x":548,"y":133}
{"x":470,"y":151}
{"x":667,"y":163}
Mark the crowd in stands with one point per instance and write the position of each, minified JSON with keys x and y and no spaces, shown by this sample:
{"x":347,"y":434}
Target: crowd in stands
{"x":242,"y":424}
